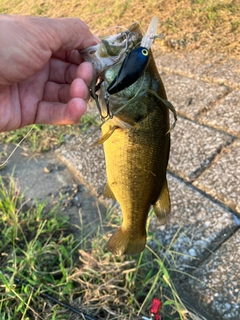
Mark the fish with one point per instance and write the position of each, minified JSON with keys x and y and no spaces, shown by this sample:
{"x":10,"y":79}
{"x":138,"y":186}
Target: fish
{"x":135,"y":133}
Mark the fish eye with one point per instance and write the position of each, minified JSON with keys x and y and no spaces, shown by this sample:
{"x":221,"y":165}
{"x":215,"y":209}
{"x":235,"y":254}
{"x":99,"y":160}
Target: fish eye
{"x":145,"y":52}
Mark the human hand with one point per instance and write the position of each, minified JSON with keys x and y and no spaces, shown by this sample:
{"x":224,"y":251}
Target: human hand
{"x":43,"y":79}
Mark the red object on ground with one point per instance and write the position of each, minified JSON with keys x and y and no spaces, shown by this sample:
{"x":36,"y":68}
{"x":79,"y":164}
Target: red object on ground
{"x":156,"y":305}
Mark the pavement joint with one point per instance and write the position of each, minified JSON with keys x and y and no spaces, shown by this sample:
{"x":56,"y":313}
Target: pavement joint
{"x":204,"y":75}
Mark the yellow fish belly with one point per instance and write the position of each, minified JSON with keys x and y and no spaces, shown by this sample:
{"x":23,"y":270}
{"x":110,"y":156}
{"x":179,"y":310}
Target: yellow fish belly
{"x":136,"y":163}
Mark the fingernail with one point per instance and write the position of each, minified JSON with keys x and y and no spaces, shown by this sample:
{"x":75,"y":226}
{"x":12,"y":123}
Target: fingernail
{"x":96,"y":39}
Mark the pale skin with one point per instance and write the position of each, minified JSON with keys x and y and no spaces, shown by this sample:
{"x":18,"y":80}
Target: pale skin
{"x":43,"y":79}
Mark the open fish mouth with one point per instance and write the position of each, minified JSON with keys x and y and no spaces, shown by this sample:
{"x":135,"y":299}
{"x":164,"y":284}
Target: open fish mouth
{"x":112,"y":49}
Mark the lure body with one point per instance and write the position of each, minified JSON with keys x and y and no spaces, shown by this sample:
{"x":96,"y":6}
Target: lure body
{"x":131,"y":70}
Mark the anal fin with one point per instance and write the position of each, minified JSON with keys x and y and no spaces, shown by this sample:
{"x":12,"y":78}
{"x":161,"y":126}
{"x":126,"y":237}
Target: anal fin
{"x":162,"y":206}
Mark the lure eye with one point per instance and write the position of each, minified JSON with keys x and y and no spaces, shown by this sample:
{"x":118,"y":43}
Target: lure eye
{"x":145,"y":52}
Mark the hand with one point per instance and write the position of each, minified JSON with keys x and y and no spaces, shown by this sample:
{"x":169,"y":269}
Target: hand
{"x":42,"y":76}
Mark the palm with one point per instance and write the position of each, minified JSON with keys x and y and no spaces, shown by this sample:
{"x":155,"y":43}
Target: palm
{"x":24,"y":98}
{"x":43,"y":79}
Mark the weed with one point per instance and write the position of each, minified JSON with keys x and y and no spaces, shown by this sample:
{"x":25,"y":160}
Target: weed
{"x":34,"y":247}
{"x":88,"y":120}
{"x":235,"y":25}
{"x":37,"y":248}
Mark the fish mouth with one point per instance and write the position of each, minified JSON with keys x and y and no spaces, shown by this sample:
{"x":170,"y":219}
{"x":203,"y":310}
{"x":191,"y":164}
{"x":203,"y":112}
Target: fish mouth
{"x":112,"y":49}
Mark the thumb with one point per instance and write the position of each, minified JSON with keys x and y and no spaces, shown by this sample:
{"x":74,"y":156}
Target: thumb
{"x":68,"y":34}
{"x":58,"y":34}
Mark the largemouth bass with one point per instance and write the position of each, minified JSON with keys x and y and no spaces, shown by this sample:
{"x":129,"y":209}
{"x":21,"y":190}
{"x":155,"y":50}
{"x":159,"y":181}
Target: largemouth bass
{"x":136,"y":138}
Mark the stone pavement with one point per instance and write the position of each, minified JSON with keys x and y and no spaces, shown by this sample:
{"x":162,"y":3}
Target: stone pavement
{"x":203,"y":175}
{"x":204,"y":169}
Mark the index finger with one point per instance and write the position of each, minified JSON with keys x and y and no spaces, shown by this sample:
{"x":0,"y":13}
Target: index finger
{"x":72,"y":56}
{"x":72,"y":33}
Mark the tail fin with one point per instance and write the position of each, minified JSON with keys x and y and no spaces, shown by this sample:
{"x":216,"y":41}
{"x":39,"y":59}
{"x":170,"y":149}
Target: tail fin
{"x":123,"y":242}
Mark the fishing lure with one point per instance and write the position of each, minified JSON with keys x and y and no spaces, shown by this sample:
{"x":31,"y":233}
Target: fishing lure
{"x":131,"y":70}
{"x":135,"y":62}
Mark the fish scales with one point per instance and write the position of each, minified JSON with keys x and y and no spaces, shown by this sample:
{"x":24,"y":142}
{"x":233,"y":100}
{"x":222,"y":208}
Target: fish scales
{"x":136,"y":163}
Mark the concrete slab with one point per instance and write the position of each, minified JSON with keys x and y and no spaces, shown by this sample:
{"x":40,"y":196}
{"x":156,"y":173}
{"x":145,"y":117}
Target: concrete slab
{"x":193,"y":147}
{"x":221,"y":179}
{"x":227,"y":72}
{"x":29,"y":169}
{"x":218,"y":281}
{"x":225,"y":115}
{"x":217,"y":68}
{"x":45,"y":178}
{"x":190,"y":96}
{"x":191,"y":64}
{"x":196,"y":227}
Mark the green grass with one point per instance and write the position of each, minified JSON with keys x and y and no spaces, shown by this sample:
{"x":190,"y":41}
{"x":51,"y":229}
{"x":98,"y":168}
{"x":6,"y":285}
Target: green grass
{"x":36,"y":246}
{"x":47,"y":137}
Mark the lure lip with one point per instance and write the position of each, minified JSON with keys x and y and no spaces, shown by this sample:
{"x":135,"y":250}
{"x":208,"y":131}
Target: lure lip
{"x":150,"y":35}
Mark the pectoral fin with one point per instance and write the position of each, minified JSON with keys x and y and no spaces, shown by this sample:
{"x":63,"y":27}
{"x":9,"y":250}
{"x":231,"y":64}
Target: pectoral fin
{"x":104,"y":137}
{"x":162,"y":206}
{"x":108,"y":192}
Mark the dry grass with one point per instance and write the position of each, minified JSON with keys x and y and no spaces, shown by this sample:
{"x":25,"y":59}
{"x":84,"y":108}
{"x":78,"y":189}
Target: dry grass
{"x":209,"y":25}
{"x":103,"y":284}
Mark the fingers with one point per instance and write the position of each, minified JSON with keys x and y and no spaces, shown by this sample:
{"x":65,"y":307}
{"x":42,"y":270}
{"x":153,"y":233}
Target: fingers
{"x":55,"y":92}
{"x":72,"y":56}
{"x":86,"y":72}
{"x":56,"y":113}
{"x":64,"y":103}
{"x":64,"y":72}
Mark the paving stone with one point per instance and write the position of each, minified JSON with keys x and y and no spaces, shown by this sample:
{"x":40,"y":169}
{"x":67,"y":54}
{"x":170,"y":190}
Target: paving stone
{"x":193,"y":147}
{"x":218,"y":282}
{"x":216,"y":68}
{"x":191,"y":64}
{"x":196,"y":227}
{"x":227,"y":72}
{"x":43,"y":177}
{"x":221,"y":179}
{"x":225,"y":115}
{"x":190,"y":96}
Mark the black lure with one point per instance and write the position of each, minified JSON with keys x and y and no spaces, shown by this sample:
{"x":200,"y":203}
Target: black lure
{"x":131,"y":70}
